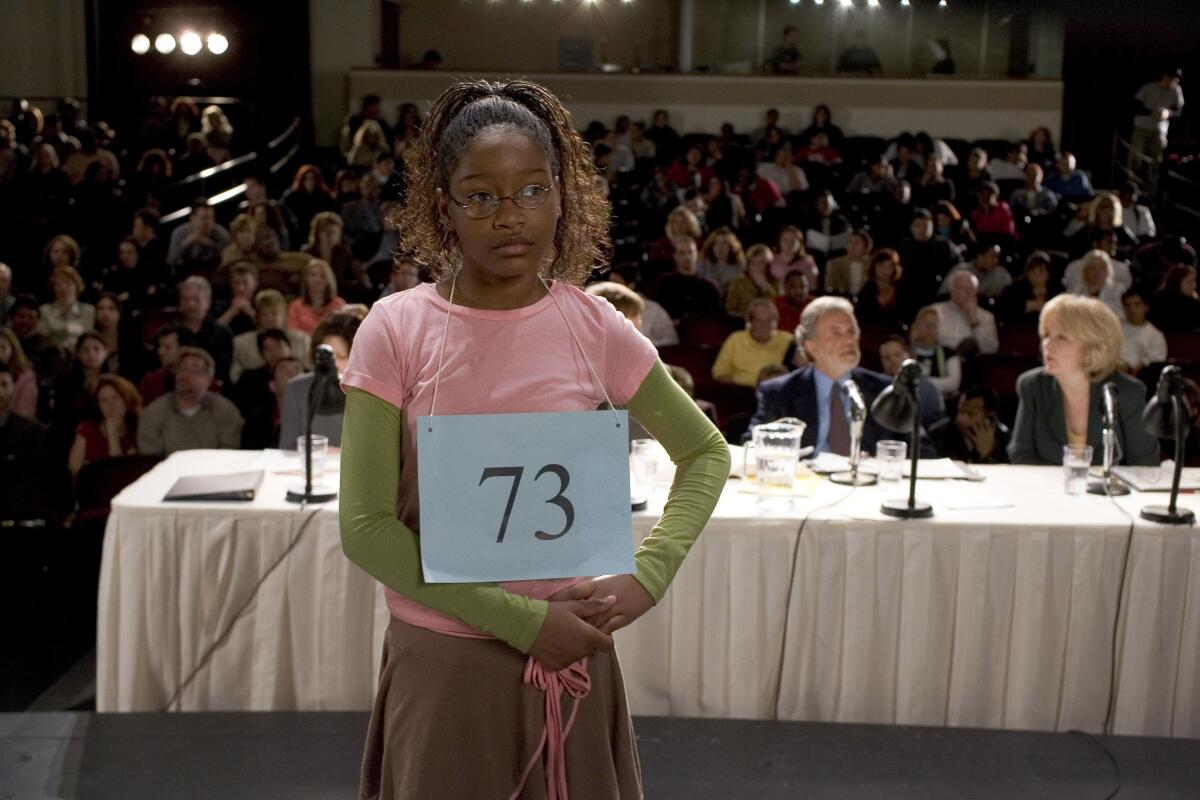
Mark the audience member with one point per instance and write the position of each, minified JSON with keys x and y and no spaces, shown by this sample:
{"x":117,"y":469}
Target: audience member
{"x":893,"y":351}
{"x":758,"y":194}
{"x":1022,"y":302}
{"x":270,"y":313}
{"x":325,"y":244}
{"x":261,"y":431}
{"x":744,"y":354}
{"x":933,"y":187}
{"x":74,"y":394}
{"x":1096,"y":280}
{"x":1142,"y":344}
{"x":1061,"y":403}
{"x":66,"y":318}
{"x":665,"y":138}
{"x":756,"y":282}
{"x":878,"y":178}
{"x":252,"y":389}
{"x":948,"y":224}
{"x":243,"y":242}
{"x":792,"y":302}
{"x":363,"y":221}
{"x":975,"y":435}
{"x":1176,"y":306}
{"x":169,"y":342}
{"x":683,"y":292}
{"x":822,"y":120}
{"x":132,"y":281}
{"x":24,"y":398}
{"x":1033,"y":199}
{"x":238,"y":313}
{"x":993,"y":278}
{"x":723,"y":207}
{"x":818,"y":150}
{"x":190,"y":417}
{"x":195,"y":314}
{"x":783,"y":171}
{"x":1015,"y":162}
{"x":722,"y":259}
{"x":404,"y":276}
{"x":938,"y":362}
{"x":1102,"y":242}
{"x":307,"y":197}
{"x":846,"y":275}
{"x":884,"y":298}
{"x":1068,"y":182}
{"x":791,"y":256}
{"x":24,"y":460}
{"x":114,"y":432}
{"x":1159,"y":102}
{"x":859,"y":58}
{"x":1138,"y":219}
{"x":127,"y":354}
{"x":7,"y":298}
{"x":337,"y":330}
{"x":965,"y":327}
{"x":1041,"y":148}
{"x":195,"y":247}
{"x":931,"y":257}
{"x":24,"y":319}
{"x":785,"y":58}
{"x":318,"y":297}
{"x":991,"y":214}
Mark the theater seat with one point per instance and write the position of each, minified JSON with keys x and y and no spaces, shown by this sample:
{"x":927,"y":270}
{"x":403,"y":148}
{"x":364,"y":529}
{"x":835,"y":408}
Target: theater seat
{"x":999,"y":373}
{"x":100,"y":481}
{"x":698,"y":361}
{"x":709,"y":330}
{"x":1020,"y":340}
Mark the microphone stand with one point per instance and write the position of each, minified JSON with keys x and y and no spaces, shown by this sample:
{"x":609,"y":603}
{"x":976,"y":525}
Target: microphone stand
{"x":317,"y":391}
{"x":914,"y":508}
{"x":858,"y":418}
{"x":1110,"y":484}
{"x":1170,"y":514}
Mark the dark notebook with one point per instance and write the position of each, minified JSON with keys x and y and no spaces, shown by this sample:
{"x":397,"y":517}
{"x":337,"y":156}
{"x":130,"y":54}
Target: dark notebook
{"x":239,"y":486}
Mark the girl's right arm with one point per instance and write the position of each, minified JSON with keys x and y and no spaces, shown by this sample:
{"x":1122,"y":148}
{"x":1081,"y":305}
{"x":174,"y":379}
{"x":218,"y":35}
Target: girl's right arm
{"x":389,"y":551}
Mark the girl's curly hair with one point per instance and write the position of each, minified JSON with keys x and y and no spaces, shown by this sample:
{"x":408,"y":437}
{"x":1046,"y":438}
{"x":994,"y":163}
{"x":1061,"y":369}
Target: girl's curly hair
{"x":581,"y":241}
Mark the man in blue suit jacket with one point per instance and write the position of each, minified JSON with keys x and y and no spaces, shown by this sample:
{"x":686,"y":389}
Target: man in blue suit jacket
{"x":829,"y":333}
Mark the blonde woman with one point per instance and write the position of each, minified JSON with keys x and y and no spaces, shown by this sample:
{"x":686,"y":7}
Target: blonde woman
{"x":369,"y":143}
{"x":680,"y":222}
{"x":755,"y":282}
{"x":1062,"y":402}
{"x":243,"y":244}
{"x":318,"y":297}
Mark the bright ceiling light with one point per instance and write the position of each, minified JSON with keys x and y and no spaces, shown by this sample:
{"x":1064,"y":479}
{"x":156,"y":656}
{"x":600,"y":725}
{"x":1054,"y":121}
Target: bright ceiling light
{"x":845,"y":3}
{"x":794,"y":2}
{"x":190,"y":43}
{"x":942,"y":4}
{"x":819,"y":2}
{"x":872,"y":3}
{"x":140,"y":44}
{"x":904,"y":3}
{"x":164,"y":43}
{"x":217,"y":44}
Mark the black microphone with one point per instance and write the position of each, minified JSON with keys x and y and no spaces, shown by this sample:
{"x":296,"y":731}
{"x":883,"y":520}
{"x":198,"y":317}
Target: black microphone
{"x":858,"y":406}
{"x":328,"y":397}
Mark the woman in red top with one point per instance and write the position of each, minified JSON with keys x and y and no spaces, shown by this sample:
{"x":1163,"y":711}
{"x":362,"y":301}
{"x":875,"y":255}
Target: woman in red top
{"x":318,"y":297}
{"x":115,"y":433}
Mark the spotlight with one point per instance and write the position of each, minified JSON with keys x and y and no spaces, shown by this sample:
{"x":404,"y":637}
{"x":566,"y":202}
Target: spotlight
{"x":872,"y":3}
{"x":140,"y":44}
{"x":217,"y":44}
{"x":819,"y":2}
{"x":794,"y":2}
{"x":190,"y":43}
{"x":904,"y":4}
{"x":846,"y":3}
{"x":164,"y":43}
{"x":943,"y":4}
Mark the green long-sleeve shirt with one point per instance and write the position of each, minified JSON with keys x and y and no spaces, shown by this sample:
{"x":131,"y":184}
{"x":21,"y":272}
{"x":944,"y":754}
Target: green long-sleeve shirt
{"x":389,"y":550}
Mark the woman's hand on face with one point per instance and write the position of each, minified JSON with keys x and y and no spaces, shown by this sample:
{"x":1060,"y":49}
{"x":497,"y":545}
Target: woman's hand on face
{"x":567,"y":636}
{"x":632,"y":600}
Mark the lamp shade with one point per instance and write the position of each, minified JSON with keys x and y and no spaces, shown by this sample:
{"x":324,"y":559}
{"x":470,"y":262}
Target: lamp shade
{"x":895,"y":406}
{"x":330,"y":400}
{"x":1158,"y":418}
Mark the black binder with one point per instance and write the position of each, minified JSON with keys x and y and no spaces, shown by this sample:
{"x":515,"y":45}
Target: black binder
{"x":239,"y":486}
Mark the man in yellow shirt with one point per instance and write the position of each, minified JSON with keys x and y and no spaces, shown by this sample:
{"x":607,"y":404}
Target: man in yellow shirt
{"x":746,"y":352}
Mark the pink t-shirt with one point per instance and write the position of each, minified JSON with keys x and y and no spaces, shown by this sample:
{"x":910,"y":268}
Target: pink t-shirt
{"x":496,"y":362}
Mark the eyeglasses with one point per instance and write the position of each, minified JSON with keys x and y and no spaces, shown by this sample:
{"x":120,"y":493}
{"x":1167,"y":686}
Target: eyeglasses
{"x":481,"y":205}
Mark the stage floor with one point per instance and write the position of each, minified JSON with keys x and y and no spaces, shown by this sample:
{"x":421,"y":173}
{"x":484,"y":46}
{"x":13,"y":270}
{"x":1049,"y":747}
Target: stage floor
{"x":316,"y":755}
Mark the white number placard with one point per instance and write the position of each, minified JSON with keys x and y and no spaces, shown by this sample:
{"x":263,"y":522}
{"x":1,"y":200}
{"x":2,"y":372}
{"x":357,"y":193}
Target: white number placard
{"x":522,"y":496}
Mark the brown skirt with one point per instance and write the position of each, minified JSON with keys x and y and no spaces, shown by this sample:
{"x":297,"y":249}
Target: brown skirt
{"x":453,"y":719}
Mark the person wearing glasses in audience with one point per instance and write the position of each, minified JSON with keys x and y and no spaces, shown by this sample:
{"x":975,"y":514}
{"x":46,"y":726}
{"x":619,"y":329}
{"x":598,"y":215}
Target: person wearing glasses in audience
{"x":1062,"y":402}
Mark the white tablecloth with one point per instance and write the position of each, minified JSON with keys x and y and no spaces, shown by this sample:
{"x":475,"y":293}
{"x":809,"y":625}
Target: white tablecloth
{"x":998,"y":612}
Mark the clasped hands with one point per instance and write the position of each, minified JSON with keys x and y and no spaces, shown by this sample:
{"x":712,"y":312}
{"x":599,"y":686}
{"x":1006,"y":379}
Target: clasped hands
{"x":581,"y":619}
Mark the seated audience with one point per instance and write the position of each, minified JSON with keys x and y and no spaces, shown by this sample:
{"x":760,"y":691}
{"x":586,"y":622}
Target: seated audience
{"x":1102,"y":241}
{"x":993,"y":278}
{"x":190,"y":417}
{"x":784,"y":172}
{"x":169,"y":341}
{"x":24,"y":398}
{"x":261,"y":431}
{"x":814,"y":394}
{"x":791,"y":256}
{"x":1141,"y":343}
{"x":975,"y":435}
{"x":318,"y":297}
{"x":938,"y":363}
{"x":683,"y":292}
{"x":722,"y":259}
{"x":238,"y":313}
{"x":933,"y":187}
{"x":846,"y":274}
{"x":114,"y":432}
{"x":1062,"y":402}
{"x":745,"y":353}
{"x":723,"y":207}
{"x":1041,"y":148}
{"x":251,"y":389}
{"x":337,"y":330}
{"x":24,"y":460}
{"x":308,"y":196}
{"x":758,"y":193}
{"x":971,"y":180}
{"x":1176,"y":305}
{"x":818,"y":150}
{"x":325,"y":244}
{"x":622,"y":298}
{"x":1138,"y":219}
{"x":363,"y":221}
{"x":66,"y":318}
{"x":893,"y":351}
{"x":127,"y":354}
{"x":754,"y":283}
{"x":931,"y":257}
{"x":73,"y":397}
{"x":877,"y":179}
{"x":825,"y":228}
{"x":792,"y":302}
{"x":1096,"y":280}
{"x":681,"y":221}
{"x":1022,"y":302}
{"x":1033,"y":199}
{"x":270,"y":313}
{"x":195,"y":314}
{"x":196,"y":246}
{"x":884,"y":299}
{"x":690,"y":171}
{"x":949,"y":224}
{"x":965,"y":327}
{"x":991,"y":214}
{"x":243,"y":241}
{"x":130,"y":279}
{"x":1067,"y":182}
{"x":1012,"y":168}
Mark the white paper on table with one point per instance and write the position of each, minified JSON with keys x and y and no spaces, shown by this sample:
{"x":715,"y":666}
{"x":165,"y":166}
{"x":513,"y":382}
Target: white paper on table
{"x":1158,"y":479}
{"x":927,"y":468}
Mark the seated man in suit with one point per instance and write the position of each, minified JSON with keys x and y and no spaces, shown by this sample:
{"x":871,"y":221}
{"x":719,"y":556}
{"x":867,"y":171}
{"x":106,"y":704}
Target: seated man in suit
{"x":828,"y":332}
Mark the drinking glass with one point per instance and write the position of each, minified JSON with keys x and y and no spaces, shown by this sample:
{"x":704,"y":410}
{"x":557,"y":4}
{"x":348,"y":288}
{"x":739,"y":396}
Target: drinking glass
{"x":776,"y":456}
{"x":890,"y":453}
{"x":320,"y":449}
{"x":1077,"y":459}
{"x":643,"y":466}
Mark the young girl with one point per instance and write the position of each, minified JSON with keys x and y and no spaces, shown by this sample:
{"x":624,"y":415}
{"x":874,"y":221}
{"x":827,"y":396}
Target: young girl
{"x":503,"y":212}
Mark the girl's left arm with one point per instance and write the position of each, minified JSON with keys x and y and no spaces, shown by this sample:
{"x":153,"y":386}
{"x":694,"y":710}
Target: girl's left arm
{"x":701,"y":460}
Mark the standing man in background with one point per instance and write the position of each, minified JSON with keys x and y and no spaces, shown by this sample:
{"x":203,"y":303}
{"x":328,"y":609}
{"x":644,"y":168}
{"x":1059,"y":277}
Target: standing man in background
{"x":1159,"y":102}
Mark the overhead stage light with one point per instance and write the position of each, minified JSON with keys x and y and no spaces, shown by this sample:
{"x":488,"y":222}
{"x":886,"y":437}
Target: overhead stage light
{"x":190,"y":43}
{"x":872,"y":3}
{"x":904,"y":4}
{"x":217,"y":44}
{"x":140,"y":44}
{"x":164,"y":43}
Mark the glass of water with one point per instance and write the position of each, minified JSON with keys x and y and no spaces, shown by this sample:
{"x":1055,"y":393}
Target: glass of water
{"x":776,"y":456}
{"x":320,"y":449}
{"x":890,"y":453}
{"x":643,"y":466}
{"x":1077,"y":459}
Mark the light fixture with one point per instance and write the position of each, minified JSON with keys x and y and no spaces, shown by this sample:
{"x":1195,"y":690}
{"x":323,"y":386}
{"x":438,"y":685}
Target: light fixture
{"x":217,"y":43}
{"x":140,"y":44}
{"x":794,"y":2}
{"x":845,"y":3}
{"x":819,"y":2}
{"x":872,"y":3}
{"x":904,"y":4}
{"x":164,"y":43}
{"x":943,"y":4}
{"x":190,"y":43}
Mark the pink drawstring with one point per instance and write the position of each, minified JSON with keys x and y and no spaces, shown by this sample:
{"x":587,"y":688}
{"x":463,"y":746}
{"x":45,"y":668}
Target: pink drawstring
{"x":575,"y":681}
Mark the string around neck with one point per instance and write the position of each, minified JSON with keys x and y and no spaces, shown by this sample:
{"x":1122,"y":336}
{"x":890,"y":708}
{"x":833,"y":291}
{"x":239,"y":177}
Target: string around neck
{"x":437,"y":376}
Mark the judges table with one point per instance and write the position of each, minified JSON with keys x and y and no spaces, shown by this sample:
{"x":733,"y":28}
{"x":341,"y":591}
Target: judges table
{"x":1000,"y":611}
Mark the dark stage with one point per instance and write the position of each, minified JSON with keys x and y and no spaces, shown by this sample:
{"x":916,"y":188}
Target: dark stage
{"x":315,"y":755}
